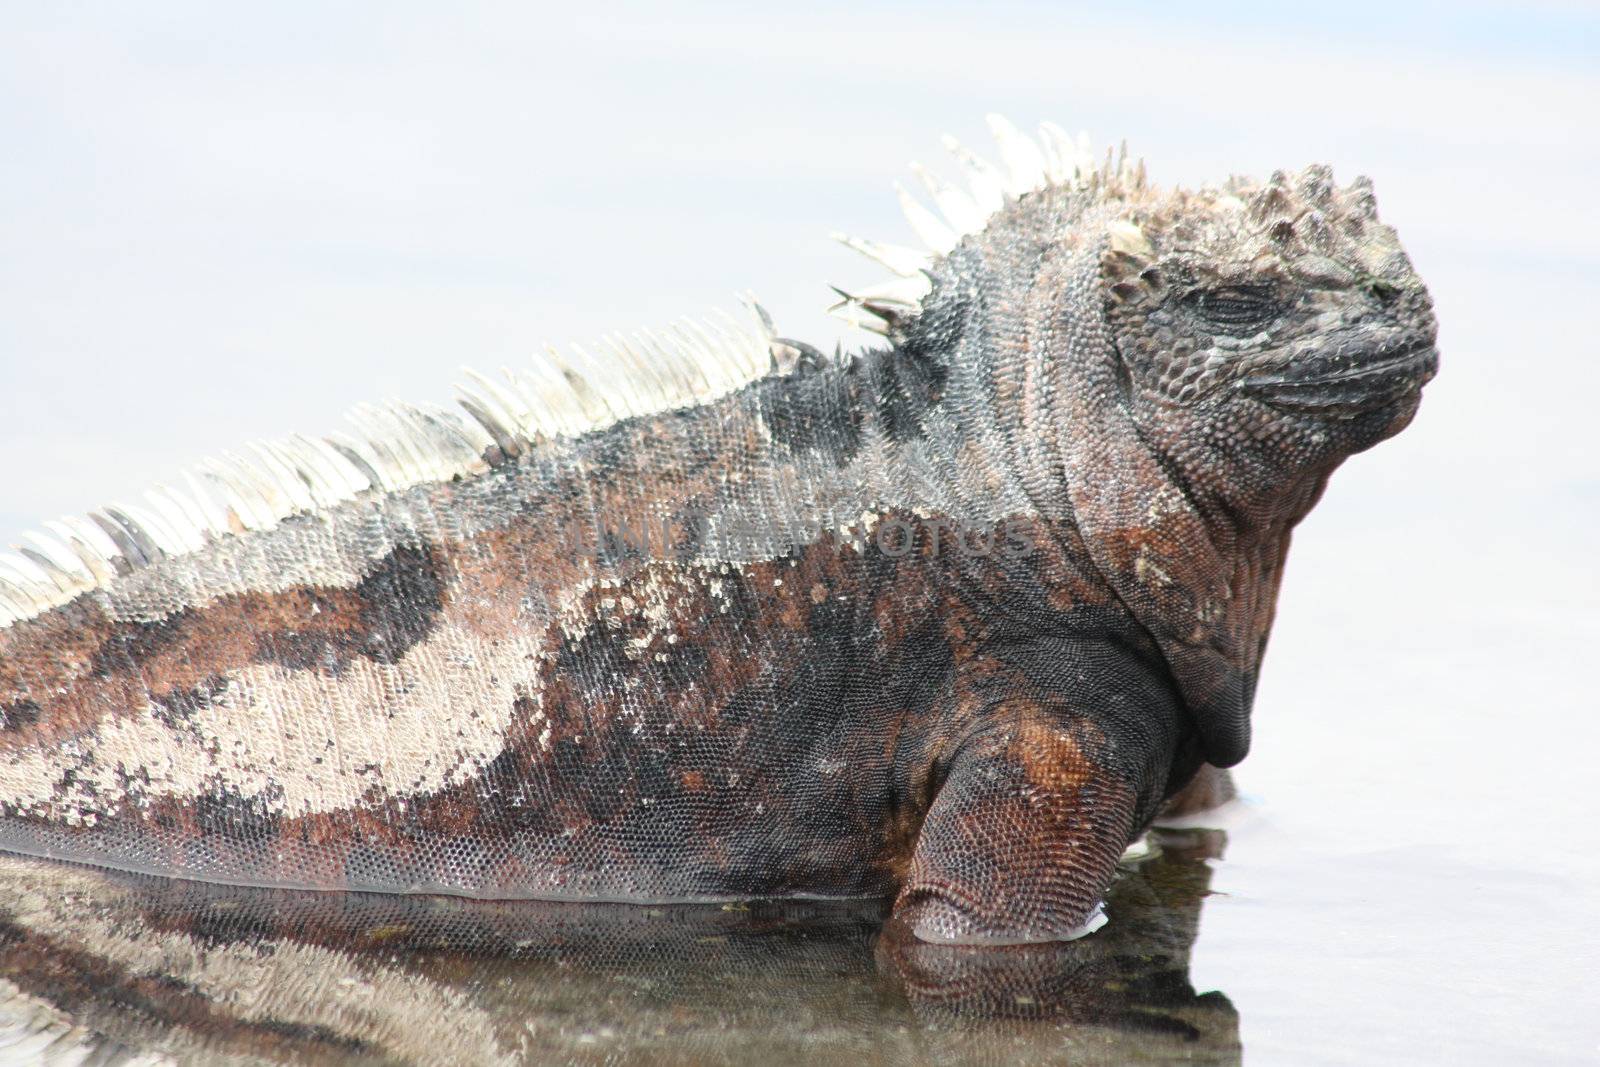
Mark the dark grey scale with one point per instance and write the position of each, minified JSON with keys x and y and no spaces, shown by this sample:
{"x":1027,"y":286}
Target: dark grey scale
{"x":399,"y":598}
{"x":136,"y":642}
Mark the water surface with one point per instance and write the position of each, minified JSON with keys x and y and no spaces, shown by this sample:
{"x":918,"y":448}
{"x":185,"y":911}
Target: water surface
{"x":112,"y":967}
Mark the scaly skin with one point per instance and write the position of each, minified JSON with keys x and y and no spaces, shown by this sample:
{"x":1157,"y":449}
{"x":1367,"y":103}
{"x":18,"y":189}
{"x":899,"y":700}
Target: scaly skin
{"x":950,"y":619}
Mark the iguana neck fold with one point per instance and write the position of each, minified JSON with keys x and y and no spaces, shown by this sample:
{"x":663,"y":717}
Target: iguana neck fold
{"x":1193,"y":545}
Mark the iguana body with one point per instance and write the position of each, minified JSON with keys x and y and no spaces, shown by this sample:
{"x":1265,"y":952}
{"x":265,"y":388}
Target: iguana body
{"x":948,"y":619}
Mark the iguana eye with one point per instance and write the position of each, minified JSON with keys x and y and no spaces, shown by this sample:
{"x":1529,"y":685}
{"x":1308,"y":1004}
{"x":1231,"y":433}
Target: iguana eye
{"x":1235,"y":306}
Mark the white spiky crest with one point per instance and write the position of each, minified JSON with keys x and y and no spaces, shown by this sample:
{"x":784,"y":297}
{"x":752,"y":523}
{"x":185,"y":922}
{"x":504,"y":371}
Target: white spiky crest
{"x":1027,"y":164}
{"x":395,"y":445}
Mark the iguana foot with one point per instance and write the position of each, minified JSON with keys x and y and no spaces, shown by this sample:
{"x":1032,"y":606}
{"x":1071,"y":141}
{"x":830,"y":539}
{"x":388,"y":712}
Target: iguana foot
{"x":1022,"y":839}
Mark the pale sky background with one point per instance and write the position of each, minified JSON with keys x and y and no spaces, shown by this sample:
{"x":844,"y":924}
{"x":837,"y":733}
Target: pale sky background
{"x":224,"y":224}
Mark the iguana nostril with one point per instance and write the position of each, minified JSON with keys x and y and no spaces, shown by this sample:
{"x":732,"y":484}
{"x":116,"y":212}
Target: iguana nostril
{"x":1383,"y":292}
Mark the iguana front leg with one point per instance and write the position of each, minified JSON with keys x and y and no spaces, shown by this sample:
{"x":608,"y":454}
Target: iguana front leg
{"x":1038,"y":804}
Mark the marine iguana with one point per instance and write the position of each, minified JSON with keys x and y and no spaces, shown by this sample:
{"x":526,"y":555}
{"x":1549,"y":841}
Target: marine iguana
{"x":713,"y":616}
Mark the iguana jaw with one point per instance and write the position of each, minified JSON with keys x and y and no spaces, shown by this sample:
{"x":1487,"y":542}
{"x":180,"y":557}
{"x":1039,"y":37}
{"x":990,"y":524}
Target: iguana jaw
{"x":1348,"y":387}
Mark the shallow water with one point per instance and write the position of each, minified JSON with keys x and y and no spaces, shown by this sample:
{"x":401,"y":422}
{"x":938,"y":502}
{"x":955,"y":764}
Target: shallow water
{"x":110,"y":967}
{"x":1416,"y":879}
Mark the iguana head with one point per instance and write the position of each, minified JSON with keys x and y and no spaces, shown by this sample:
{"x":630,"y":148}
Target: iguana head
{"x":1279,"y":323}
{"x":1281,"y":319}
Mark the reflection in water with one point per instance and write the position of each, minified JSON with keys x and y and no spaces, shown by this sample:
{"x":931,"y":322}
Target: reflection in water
{"x":118,"y":967}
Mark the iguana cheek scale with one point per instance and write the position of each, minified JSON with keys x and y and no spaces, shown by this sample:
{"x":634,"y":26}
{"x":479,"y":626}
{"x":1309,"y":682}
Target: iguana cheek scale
{"x":708,"y":615}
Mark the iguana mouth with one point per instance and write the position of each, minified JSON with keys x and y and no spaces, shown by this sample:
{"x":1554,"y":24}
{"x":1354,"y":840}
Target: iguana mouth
{"x":1369,"y":385}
